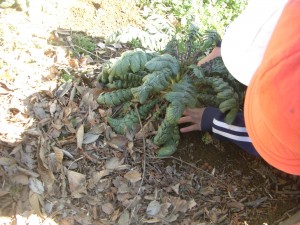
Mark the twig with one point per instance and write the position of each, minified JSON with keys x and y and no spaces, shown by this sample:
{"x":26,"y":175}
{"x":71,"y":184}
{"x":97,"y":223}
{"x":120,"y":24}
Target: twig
{"x":82,"y":157}
{"x":144,"y":149}
{"x":144,"y":157}
{"x":88,"y":156}
{"x":286,"y":214}
{"x":144,"y":164}
{"x":87,"y":51}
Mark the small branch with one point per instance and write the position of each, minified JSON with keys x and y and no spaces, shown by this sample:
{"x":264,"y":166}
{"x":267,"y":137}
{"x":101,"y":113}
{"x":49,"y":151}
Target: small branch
{"x":285,"y":215}
{"x":143,"y":162}
{"x":87,"y":51}
{"x":82,"y":157}
{"x":144,"y":150}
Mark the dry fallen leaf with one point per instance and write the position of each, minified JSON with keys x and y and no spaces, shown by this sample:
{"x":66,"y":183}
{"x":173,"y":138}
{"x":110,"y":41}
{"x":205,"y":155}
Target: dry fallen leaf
{"x":67,"y":221}
{"x":98,"y":128}
{"x":118,"y":142}
{"x":180,"y":205}
{"x":96,"y":177}
{"x":16,"y":149}
{"x":27,"y":172}
{"x":123,"y":188}
{"x":79,"y":136}
{"x":176,"y":188}
{"x":171,"y":218}
{"x":74,"y":63}
{"x":192,"y":203}
{"x":207,"y":191}
{"x":133,"y":176}
{"x":102,"y":112}
{"x":108,"y":208}
{"x":153,"y":208}
{"x":59,"y":155}
{"x":63,"y":89}
{"x":122,"y":197}
{"x":52,"y":108}
{"x":124,"y":218}
{"x":115,"y":216}
{"x":152,"y":220}
{"x":36,"y":185}
{"x":89,"y":138}
{"x":20,"y":179}
{"x":83,"y":218}
{"x":109,"y":133}
{"x":77,"y":183}
{"x":7,"y":161}
{"x":147,"y":130}
{"x":113,"y":163}
{"x":36,"y":201}
{"x":40,"y":112}
{"x":43,"y":168}
{"x":236,"y":205}
{"x":100,"y":174}
{"x":164,"y":209}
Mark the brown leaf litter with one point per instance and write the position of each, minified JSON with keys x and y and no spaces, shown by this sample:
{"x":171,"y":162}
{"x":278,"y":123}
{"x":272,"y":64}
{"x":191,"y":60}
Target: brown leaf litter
{"x":61,"y":163}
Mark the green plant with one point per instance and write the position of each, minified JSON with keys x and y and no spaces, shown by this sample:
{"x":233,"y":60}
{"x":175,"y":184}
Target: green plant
{"x":170,"y":80}
{"x":207,"y":138}
{"x":158,"y":31}
{"x":206,"y":14}
{"x":165,"y":19}
{"x":65,"y":77}
{"x":135,"y":43}
{"x":83,"y":43}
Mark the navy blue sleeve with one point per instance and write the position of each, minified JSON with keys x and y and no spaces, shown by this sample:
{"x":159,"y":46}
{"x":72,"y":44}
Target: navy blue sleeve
{"x":213,"y":121}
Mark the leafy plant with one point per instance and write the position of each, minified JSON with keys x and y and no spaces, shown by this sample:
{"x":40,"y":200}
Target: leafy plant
{"x":65,"y":77}
{"x":206,"y":14}
{"x":135,"y":43}
{"x":165,"y":19}
{"x":82,"y":43}
{"x":157,"y":33}
{"x":169,"y":79}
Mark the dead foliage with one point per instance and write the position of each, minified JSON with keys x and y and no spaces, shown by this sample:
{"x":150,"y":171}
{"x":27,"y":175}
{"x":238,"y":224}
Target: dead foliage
{"x":61,"y":163}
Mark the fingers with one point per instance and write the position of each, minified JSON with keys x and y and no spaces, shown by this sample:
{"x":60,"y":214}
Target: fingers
{"x":193,"y":116}
{"x":216,"y":52}
{"x":189,"y":119}
{"x":190,"y":128}
{"x":191,"y":112}
{"x":185,"y":119}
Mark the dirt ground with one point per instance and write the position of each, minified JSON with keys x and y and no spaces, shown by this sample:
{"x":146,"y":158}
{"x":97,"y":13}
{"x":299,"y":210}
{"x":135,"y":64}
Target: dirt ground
{"x":61,"y":164}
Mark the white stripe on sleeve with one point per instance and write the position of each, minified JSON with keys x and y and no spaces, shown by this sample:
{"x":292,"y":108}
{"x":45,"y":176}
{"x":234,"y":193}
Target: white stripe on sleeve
{"x":229,"y":127}
{"x":231,"y":136}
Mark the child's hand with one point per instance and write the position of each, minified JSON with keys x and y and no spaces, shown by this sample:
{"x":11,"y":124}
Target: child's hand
{"x":193,"y":116}
{"x":216,"y":52}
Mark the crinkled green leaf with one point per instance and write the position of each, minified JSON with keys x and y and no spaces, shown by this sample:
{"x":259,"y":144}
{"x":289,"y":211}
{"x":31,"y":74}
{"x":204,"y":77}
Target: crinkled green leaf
{"x":174,"y":112}
{"x":163,"y":61}
{"x":164,"y":132}
{"x":153,"y":83}
{"x":115,"y":98}
{"x":127,"y":122}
